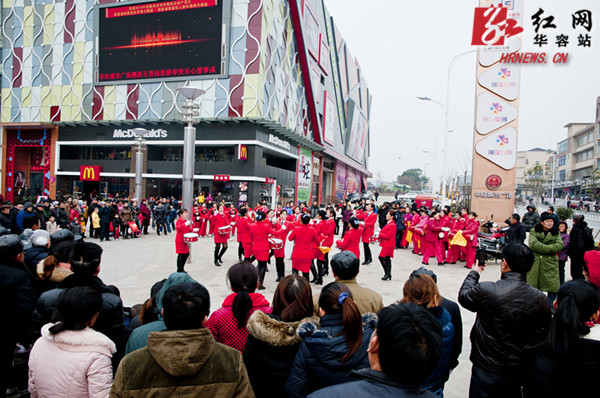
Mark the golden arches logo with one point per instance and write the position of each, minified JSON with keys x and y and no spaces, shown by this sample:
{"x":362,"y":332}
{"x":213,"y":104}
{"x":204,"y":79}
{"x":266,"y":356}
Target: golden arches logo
{"x":88,"y":174}
{"x":243,"y":152}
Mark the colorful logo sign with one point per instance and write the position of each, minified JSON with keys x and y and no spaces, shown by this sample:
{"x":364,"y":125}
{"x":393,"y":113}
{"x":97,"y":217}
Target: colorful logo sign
{"x":504,"y":73}
{"x":89,"y":173}
{"x":502,"y":140}
{"x":493,"y":182}
{"x":496,"y":108}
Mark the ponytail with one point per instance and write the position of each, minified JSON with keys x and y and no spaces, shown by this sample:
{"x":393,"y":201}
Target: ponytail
{"x":578,"y":301}
{"x":75,"y":308}
{"x":336,"y":298}
{"x":352,"y":327}
{"x":243,"y":278}
{"x":566,"y":327}
{"x":242,"y":304}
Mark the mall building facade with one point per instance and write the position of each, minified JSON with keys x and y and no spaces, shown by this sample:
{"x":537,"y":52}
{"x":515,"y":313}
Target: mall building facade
{"x":285,"y":113}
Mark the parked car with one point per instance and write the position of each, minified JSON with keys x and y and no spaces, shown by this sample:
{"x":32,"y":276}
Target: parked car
{"x":367,"y":195}
{"x":353,"y":197}
{"x":288,"y":191}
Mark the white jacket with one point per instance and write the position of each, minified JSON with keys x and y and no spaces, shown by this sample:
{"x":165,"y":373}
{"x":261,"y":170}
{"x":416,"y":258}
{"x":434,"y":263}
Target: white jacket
{"x":71,"y":364}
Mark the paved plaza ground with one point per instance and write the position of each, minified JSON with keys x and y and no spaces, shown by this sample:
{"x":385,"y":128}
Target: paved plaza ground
{"x":134,"y":265}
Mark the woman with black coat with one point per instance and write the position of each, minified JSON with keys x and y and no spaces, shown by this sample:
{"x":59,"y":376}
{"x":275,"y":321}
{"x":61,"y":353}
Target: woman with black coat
{"x":272,"y":341}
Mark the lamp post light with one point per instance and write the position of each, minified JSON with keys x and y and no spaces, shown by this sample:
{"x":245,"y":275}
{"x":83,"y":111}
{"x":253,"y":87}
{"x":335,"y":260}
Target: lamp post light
{"x":445,"y":108}
{"x":140,"y":133}
{"x":191,"y":115}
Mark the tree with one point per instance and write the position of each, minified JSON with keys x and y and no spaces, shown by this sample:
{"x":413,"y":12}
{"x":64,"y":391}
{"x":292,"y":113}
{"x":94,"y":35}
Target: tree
{"x":412,"y":177}
{"x":537,"y":177}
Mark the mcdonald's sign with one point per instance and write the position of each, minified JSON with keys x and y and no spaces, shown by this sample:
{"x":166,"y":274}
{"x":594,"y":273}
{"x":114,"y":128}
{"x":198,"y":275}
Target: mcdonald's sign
{"x":242,"y":152}
{"x":89,"y":173}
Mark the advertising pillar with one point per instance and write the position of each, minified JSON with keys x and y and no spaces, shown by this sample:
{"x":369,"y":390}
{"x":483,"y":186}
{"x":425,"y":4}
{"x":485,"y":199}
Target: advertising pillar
{"x":496,"y":123}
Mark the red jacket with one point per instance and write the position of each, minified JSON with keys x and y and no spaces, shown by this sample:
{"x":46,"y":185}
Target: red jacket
{"x":387,"y":235}
{"x":370,"y":219}
{"x":432,"y":230}
{"x":243,"y":232}
{"x":351,"y":241}
{"x":457,"y":224}
{"x":321,"y":231}
{"x":223,"y":325}
{"x":305,"y":240}
{"x":446,"y":222}
{"x":220,"y":220}
{"x":180,"y":246}
{"x":281,"y":234}
{"x":330,"y":232}
{"x":470,"y":232}
{"x":415,"y":220}
{"x":260,"y":232}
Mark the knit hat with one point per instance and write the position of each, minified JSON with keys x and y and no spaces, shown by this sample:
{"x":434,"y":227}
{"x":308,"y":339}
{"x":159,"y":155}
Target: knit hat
{"x":39,"y":238}
{"x":545,"y":216}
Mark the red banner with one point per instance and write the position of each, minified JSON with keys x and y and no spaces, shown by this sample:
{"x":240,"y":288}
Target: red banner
{"x":89,"y":173}
{"x":151,"y":8}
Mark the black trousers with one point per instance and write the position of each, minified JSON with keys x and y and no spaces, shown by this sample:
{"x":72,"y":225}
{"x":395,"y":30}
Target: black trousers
{"x":399,"y":239}
{"x":486,"y":384}
{"x":104,"y":229}
{"x":181,"y":259}
{"x":306,"y":275}
{"x":577,"y":266}
{"x":367,"y":251}
{"x":561,"y":270}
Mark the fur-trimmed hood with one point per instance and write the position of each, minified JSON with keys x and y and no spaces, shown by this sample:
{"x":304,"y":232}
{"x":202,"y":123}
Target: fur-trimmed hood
{"x":312,"y":329}
{"x":275,"y":332}
{"x":80,"y":340}
{"x":58,"y":273}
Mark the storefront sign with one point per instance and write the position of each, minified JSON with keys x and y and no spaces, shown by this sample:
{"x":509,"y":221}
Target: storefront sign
{"x":304,"y":175}
{"x":279,"y":142}
{"x":242,"y":152}
{"x":154,"y":133}
{"x":269,"y":180}
{"x":219,"y":177}
{"x":89,"y":173}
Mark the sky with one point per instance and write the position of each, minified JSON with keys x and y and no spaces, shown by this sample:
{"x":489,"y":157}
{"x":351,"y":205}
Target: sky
{"x":404,"y":49}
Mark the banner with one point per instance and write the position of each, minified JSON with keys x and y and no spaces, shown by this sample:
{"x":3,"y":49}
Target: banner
{"x":340,"y":181}
{"x":304,"y":176}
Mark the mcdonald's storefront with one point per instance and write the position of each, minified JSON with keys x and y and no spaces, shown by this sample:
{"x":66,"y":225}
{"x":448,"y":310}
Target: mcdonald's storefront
{"x":27,"y":161}
{"x":244,"y":162}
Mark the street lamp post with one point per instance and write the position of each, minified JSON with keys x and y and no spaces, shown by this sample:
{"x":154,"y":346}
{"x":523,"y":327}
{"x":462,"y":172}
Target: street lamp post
{"x":445,"y":108}
{"x":140,"y":133}
{"x":191,"y":115}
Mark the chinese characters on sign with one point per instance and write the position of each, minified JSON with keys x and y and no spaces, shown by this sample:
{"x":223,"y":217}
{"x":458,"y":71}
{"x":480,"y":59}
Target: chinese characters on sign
{"x":493,"y":195}
{"x":580,"y":20}
{"x":492,"y":25}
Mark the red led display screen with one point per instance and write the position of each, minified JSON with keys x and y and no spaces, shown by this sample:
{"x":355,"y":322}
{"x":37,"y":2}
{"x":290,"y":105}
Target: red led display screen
{"x":154,"y":40}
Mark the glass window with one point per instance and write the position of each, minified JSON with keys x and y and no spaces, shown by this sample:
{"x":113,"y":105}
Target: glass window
{"x":68,"y":152}
{"x":562,"y":161}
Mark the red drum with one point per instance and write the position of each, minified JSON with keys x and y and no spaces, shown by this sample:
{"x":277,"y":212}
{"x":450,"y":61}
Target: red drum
{"x":225,"y":230}
{"x":190,"y":237}
{"x":275,"y":243}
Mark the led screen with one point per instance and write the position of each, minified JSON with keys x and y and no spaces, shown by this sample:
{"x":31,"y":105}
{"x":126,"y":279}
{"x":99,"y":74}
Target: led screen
{"x":159,"y":40}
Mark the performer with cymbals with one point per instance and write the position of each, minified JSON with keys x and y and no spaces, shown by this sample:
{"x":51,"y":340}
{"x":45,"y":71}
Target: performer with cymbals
{"x":243,"y":236}
{"x":351,"y":240}
{"x":369,"y":220}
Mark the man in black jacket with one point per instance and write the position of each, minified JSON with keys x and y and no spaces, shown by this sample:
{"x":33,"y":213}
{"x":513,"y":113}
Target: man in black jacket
{"x":581,"y":240}
{"x":85,"y":260}
{"x":511,"y":315}
{"x":106,"y":216}
{"x":516,"y":232}
{"x":7,"y":220}
{"x":382,"y":213}
{"x":18,"y":298}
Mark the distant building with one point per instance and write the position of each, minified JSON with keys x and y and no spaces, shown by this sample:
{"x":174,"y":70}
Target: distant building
{"x":526,"y":160}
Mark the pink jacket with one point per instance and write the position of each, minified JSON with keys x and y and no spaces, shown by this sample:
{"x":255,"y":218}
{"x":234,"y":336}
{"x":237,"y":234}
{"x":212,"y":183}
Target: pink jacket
{"x":71,"y":364}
